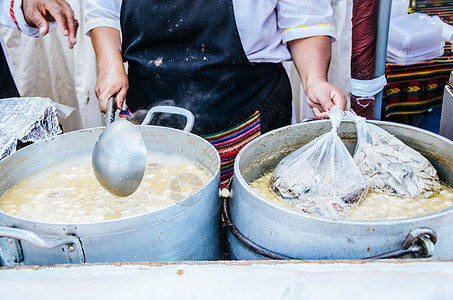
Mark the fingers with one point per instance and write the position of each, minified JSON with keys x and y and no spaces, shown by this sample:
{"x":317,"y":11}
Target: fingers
{"x":35,"y":17}
{"x":120,"y":96}
{"x":109,"y":83}
{"x":320,"y":115}
{"x":105,"y":95}
{"x":64,"y":17}
{"x":41,"y":24}
{"x":322,"y":96}
{"x":72,"y":38}
{"x":338,"y":98}
{"x":39,"y":13}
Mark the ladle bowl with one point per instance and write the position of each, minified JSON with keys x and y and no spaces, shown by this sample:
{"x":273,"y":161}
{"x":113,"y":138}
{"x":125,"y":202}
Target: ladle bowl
{"x":119,"y":156}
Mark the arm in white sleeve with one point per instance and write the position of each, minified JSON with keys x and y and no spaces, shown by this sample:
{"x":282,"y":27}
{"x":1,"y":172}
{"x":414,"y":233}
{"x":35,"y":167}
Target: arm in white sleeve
{"x":102,"y":13}
{"x":299,"y":19}
{"x":11,"y":15}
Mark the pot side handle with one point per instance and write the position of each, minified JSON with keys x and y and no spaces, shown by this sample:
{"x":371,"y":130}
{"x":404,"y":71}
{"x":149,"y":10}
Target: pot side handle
{"x":71,"y":244}
{"x":171,"y":110}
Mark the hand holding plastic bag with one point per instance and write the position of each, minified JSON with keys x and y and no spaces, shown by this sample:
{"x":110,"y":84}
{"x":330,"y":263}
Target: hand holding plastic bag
{"x":389,"y":165}
{"x":321,"y":178}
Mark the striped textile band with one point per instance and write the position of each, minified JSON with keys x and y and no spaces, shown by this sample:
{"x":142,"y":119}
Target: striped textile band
{"x":229,"y":142}
{"x":419,"y":87}
{"x":11,"y":12}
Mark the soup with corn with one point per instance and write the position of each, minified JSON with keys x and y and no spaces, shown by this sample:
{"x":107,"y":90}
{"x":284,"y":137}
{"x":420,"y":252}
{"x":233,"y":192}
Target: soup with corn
{"x":69,"y":192}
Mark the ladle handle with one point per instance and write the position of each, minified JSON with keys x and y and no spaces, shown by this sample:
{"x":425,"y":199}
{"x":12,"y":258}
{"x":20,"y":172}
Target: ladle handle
{"x":110,"y":114}
{"x":171,"y":110}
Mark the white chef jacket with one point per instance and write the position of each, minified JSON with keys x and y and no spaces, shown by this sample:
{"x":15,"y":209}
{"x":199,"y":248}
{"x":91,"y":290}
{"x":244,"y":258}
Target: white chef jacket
{"x":264,"y":26}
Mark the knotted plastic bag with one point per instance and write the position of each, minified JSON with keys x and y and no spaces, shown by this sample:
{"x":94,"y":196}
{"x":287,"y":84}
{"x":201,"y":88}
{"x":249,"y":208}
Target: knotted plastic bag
{"x":389,"y":165}
{"x":321,"y":177}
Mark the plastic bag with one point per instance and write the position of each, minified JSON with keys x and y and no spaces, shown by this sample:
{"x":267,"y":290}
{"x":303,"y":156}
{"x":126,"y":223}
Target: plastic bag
{"x":389,"y":165}
{"x":321,"y":177}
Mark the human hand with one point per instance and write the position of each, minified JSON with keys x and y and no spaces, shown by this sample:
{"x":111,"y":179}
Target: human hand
{"x":39,"y":12}
{"x":111,"y":82}
{"x":321,"y":96}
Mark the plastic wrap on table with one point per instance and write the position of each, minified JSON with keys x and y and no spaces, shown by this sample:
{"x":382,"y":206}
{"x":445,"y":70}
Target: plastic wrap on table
{"x":321,"y":178}
{"x":389,"y":165}
{"x":26,"y":119}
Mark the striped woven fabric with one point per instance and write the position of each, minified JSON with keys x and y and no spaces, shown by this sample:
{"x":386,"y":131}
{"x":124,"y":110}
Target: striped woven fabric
{"x":419,"y":87}
{"x":229,"y":142}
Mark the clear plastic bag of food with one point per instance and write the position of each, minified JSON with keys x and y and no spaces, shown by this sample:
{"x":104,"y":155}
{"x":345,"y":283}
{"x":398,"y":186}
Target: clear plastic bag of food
{"x":321,"y":178}
{"x":389,"y":165}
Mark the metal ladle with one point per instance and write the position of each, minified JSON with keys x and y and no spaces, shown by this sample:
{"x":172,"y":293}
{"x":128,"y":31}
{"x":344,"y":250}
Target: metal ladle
{"x":119,"y":155}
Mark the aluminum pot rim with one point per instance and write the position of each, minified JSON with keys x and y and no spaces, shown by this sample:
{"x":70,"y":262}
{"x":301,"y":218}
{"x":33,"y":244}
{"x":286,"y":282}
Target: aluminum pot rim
{"x":238,"y":178}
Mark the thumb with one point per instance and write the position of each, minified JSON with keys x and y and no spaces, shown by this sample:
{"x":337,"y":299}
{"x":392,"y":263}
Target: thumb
{"x":339,"y":99}
{"x":41,"y":23}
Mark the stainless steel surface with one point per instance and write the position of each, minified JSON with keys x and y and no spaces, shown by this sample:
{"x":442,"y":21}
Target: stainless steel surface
{"x":186,"y":230}
{"x":289,"y":233}
{"x":119,"y":156}
{"x":225,"y":280}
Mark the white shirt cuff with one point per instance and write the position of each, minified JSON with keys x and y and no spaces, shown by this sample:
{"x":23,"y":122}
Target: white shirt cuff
{"x":101,"y":22}
{"x":295,"y":33}
{"x":22,"y":24}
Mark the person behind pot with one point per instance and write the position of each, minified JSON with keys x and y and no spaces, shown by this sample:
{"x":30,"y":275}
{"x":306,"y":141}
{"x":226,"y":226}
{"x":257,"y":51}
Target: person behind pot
{"x":222,"y":60}
{"x":32,"y":17}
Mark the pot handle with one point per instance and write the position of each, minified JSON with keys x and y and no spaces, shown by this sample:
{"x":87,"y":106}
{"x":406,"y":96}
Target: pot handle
{"x":171,"y":110}
{"x":420,"y":241}
{"x":73,"y":247}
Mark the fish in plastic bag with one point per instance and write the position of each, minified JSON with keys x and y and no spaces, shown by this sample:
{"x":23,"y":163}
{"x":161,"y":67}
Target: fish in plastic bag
{"x":321,"y":178}
{"x":389,"y":165}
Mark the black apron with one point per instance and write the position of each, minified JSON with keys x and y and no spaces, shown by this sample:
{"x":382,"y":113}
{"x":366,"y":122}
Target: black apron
{"x":8,"y":88}
{"x":188,"y":53}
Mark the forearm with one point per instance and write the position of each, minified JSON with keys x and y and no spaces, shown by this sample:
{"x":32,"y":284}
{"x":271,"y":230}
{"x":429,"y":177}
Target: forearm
{"x":311,"y":57}
{"x":107,"y":46}
{"x":112,"y":79}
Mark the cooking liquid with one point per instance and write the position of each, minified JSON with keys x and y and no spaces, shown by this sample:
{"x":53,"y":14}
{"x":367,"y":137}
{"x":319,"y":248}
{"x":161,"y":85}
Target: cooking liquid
{"x":376,"y":206}
{"x":69,"y":192}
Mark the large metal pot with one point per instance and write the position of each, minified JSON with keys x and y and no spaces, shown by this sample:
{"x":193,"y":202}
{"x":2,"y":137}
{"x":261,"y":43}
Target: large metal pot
{"x":261,"y":228}
{"x":187,"y":230}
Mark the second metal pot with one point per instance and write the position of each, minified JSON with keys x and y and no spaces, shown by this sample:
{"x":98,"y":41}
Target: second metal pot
{"x":285,"y":233}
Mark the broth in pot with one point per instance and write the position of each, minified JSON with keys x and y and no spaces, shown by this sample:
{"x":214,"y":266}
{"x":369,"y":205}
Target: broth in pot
{"x":69,"y":193}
